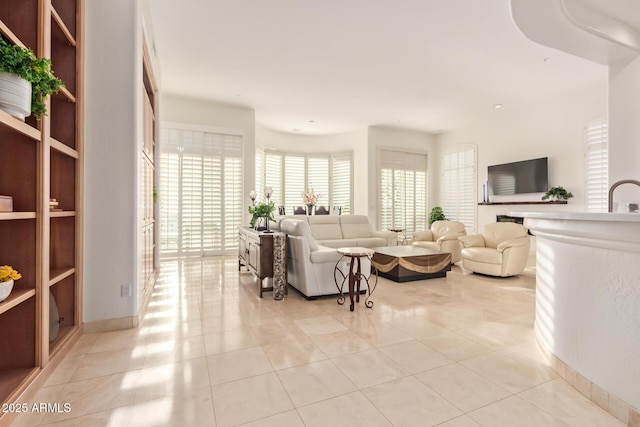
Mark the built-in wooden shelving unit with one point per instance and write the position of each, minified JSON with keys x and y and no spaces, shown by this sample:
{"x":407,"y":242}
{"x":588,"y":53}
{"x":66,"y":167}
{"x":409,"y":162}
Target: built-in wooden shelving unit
{"x":42,"y":160}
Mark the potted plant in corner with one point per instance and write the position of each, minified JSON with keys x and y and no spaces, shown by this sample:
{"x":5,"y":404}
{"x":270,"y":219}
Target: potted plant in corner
{"x":7,"y":276}
{"x":26,"y":81}
{"x":436,"y":215}
{"x":557,"y":193}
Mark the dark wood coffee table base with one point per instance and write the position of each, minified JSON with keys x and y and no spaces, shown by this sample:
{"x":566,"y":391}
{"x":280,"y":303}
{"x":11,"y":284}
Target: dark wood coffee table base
{"x":410,"y":263}
{"x":401,"y":274}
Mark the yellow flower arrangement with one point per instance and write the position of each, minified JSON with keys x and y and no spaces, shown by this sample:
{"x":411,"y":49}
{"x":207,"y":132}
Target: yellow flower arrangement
{"x":7,"y":273}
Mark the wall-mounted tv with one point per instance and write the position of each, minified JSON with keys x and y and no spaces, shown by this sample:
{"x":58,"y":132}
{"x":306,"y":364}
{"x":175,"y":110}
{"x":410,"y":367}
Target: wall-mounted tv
{"x":528,"y":176}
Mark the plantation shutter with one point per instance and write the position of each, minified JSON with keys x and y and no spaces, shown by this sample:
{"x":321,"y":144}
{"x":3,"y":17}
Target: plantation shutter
{"x":459,"y":186}
{"x":201,"y":201}
{"x":169,"y":194}
{"x":260,"y":176}
{"x":403,"y":190}
{"x":318,"y":178}
{"x":294,"y":181}
{"x":597,"y":164}
{"x":292,"y":174}
{"x":273,"y":178}
{"x":341,"y":182}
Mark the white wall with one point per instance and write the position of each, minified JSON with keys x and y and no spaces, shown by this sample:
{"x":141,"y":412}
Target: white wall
{"x":624,"y":128}
{"x":355,"y":142}
{"x":554,"y":130}
{"x":385,"y":137}
{"x":113,"y":85}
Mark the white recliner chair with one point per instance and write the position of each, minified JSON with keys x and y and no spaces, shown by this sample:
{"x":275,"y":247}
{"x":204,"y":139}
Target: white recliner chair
{"x":443,"y":237}
{"x":501,"y":250}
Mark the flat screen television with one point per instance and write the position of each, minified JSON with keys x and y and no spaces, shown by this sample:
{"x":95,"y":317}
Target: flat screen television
{"x":528,"y":176}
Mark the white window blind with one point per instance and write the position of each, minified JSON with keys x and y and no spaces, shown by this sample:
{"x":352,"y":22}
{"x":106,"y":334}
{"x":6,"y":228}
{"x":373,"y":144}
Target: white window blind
{"x":273,"y":177}
{"x":260,"y":165}
{"x":294,"y":182}
{"x":597,"y":164}
{"x":290,"y":175}
{"x":403,"y":190}
{"x":341,"y":182}
{"x":459,"y":185}
{"x":201,"y":202}
{"x":318,"y":178}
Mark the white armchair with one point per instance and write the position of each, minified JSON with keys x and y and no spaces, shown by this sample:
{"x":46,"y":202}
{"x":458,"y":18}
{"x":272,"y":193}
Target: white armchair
{"x":443,"y":237}
{"x":501,"y":250}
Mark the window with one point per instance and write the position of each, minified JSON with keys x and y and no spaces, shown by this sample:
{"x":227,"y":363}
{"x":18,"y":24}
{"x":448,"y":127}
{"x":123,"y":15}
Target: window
{"x":201,"y":201}
{"x":459,"y":186}
{"x":403,"y":190}
{"x":597,"y":164}
{"x":290,"y":175}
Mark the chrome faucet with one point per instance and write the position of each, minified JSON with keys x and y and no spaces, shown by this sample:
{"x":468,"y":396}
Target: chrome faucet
{"x":614,"y":186}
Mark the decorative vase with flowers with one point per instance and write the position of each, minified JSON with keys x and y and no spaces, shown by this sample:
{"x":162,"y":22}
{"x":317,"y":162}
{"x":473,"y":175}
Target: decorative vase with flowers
{"x":7,"y":276}
{"x":310,"y":198}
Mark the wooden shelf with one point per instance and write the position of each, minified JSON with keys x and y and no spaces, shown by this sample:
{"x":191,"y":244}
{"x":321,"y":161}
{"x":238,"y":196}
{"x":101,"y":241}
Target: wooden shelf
{"x":541,"y":202}
{"x":16,"y":297}
{"x":64,"y":149}
{"x":66,"y":94}
{"x":9,"y":35}
{"x":14,"y":380}
{"x":64,"y":334}
{"x":8,"y":216}
{"x":19,"y":126}
{"x":61,"y":214}
{"x":59,"y":274}
{"x":20,"y":19}
{"x":58,"y":20}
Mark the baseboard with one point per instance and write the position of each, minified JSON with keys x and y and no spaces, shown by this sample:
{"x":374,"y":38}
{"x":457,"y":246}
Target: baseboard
{"x":110,"y":324}
{"x":610,"y":403}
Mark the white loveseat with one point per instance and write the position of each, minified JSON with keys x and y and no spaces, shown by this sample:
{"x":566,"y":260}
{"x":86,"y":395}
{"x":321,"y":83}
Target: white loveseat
{"x":311,"y":262}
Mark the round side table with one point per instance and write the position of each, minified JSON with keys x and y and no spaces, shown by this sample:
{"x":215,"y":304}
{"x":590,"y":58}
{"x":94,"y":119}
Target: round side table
{"x":354,"y":275}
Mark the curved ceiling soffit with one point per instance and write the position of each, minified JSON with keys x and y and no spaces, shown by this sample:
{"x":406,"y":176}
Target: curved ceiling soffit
{"x":576,"y":28}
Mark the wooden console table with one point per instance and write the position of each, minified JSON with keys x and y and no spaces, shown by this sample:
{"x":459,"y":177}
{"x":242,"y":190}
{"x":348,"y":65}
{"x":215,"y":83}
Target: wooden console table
{"x":265,"y":255}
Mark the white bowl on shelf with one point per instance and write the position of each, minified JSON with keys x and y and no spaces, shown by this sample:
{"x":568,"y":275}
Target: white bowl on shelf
{"x":5,"y":289}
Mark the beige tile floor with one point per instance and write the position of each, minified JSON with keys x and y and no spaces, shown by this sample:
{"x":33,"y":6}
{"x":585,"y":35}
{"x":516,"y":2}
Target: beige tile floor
{"x":209,"y":352}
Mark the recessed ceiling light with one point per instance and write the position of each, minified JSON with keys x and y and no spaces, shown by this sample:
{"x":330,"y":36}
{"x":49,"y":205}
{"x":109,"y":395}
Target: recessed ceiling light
{"x":296,"y":130}
{"x":497,"y":106}
{"x":312,"y":121}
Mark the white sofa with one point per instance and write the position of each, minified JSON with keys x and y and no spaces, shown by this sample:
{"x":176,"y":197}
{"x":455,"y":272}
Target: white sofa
{"x":311,"y":263}
{"x":501,"y":250}
{"x":310,"y":266}
{"x":443,"y":236}
{"x":337,"y":231}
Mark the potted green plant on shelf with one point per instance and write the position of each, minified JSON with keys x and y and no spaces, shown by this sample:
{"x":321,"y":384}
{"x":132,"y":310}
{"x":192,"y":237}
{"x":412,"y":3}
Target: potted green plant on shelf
{"x":26,"y":81}
{"x":436,"y":215}
{"x":7,"y":276}
{"x":557,"y":193}
{"x":262,"y":210}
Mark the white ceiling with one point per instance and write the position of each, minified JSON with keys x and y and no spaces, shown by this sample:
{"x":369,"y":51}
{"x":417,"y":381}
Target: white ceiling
{"x":339,"y":65}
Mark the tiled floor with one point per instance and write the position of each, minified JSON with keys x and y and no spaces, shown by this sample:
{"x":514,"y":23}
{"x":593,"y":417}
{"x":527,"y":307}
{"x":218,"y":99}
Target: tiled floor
{"x":449,"y":352}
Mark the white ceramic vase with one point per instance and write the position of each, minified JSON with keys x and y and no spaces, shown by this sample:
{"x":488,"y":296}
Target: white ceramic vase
{"x":15,"y":95}
{"x":5,"y":289}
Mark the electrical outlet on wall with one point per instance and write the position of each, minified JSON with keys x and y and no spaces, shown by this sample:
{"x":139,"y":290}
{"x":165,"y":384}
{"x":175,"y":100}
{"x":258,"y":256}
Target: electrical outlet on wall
{"x":125,"y":290}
